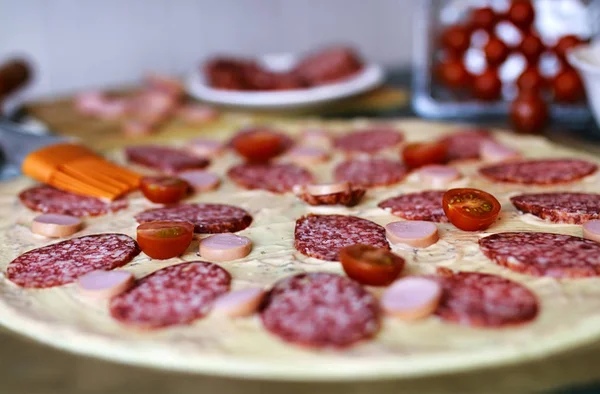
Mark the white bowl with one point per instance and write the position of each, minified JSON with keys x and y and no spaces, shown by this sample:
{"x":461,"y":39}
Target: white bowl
{"x":586,"y":60}
{"x":370,"y":77}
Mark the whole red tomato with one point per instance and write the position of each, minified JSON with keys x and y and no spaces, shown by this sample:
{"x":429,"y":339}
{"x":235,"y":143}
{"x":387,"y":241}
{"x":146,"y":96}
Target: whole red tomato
{"x":529,"y":112}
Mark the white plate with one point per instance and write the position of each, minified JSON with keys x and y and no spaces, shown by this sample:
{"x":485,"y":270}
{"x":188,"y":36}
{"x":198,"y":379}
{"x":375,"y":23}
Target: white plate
{"x":370,"y":77}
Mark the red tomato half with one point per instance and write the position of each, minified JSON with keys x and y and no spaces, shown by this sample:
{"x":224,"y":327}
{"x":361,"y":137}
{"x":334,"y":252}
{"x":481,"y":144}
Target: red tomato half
{"x":164,"y":189}
{"x":164,"y":240}
{"x":259,"y":145}
{"x":370,"y":265}
{"x":470,"y":209}
{"x":420,"y":154}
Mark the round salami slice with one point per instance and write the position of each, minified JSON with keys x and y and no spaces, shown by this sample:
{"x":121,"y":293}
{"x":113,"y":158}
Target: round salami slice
{"x":348,"y":198}
{"x":163,"y":158}
{"x":50,"y":200}
{"x":322,"y":236}
{"x":484,"y":300}
{"x":425,"y":205}
{"x":178,"y":294}
{"x":544,"y":254}
{"x":320,"y":310}
{"x":573,"y":208}
{"x":369,"y":173}
{"x":206,"y":218}
{"x":369,"y":141}
{"x":465,"y":145}
{"x":539,"y":172}
{"x":276,"y":178}
{"x":64,"y":262}
{"x":287,"y":142}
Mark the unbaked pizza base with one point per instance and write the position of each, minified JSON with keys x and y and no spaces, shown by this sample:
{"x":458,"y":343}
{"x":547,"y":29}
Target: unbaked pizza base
{"x":569,"y":316}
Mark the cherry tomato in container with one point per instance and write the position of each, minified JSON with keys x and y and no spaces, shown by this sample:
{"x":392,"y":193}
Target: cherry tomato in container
{"x":564,"y":44}
{"x":420,"y":154}
{"x":496,"y":51}
{"x":164,"y":240}
{"x":470,"y":209}
{"x":567,"y":86}
{"x":164,"y":189}
{"x":531,"y":48}
{"x":454,"y":74}
{"x":531,"y":80}
{"x":259,"y":145}
{"x":487,"y":86}
{"x":529,"y":112}
{"x":521,"y":13}
{"x":484,"y":18}
{"x":456,"y":39}
{"x":370,"y":265}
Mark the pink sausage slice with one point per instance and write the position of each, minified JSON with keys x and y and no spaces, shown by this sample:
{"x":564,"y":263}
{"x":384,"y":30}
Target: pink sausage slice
{"x":438,"y":175}
{"x":239,"y":303}
{"x":322,"y":189}
{"x":411,"y":298}
{"x":316,"y":137}
{"x":418,"y":234}
{"x":200,"y":180}
{"x":591,"y":230}
{"x":137,"y":127}
{"x":495,"y":152}
{"x":307,"y":155}
{"x":55,"y":225}
{"x":205,"y":148}
{"x":198,"y":113}
{"x":225,"y":247}
{"x":104,"y":284}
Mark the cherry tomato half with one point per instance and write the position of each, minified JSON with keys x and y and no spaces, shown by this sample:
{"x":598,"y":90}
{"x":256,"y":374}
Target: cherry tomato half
{"x":370,"y":265}
{"x":164,"y":189}
{"x":420,"y":154}
{"x":164,"y":240}
{"x":259,"y":145}
{"x":470,"y":209}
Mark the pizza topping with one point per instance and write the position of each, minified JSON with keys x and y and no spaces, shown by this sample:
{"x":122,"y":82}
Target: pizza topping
{"x":560,"y":207}
{"x":425,"y":205}
{"x":307,"y":155}
{"x":418,"y":234}
{"x":438,"y":176}
{"x":206,"y":218}
{"x":198,"y":114}
{"x":225,"y":247}
{"x":200,"y":180}
{"x":276,"y":178}
{"x":239,"y":303}
{"x":411,"y":298}
{"x":330,"y":194}
{"x":164,"y":240}
{"x":465,"y":144}
{"x":63,"y":262}
{"x":320,"y":310}
{"x":164,"y":189}
{"x":163,"y":158}
{"x":174,"y":295}
{"x":323,"y":236}
{"x":101,"y":284}
{"x":539,"y":172}
{"x":483,"y":300}
{"x":420,"y":154}
{"x":495,"y":152}
{"x":47,"y":199}
{"x":543,"y":254}
{"x":316,"y":137}
{"x":322,"y":189}
{"x":371,"y":172}
{"x":370,"y":265}
{"x":470,"y":209}
{"x":259,"y":145}
{"x":203,"y":147}
{"x":369,"y":141}
{"x":54,"y":225}
{"x":591,"y":230}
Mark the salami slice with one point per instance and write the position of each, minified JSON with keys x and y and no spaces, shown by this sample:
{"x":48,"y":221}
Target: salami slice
{"x":369,"y":173}
{"x":573,"y":208}
{"x":174,"y":295}
{"x":539,"y":172}
{"x":50,"y":200}
{"x":287,"y":142}
{"x":322,"y":236}
{"x":465,"y":145}
{"x":320,"y":310}
{"x":544,"y":254}
{"x":276,"y":178}
{"x":163,"y":158}
{"x":347,"y":198}
{"x":369,"y":141}
{"x":64,"y":262}
{"x":483,"y":300}
{"x":206,"y":218}
{"x":425,"y":205}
